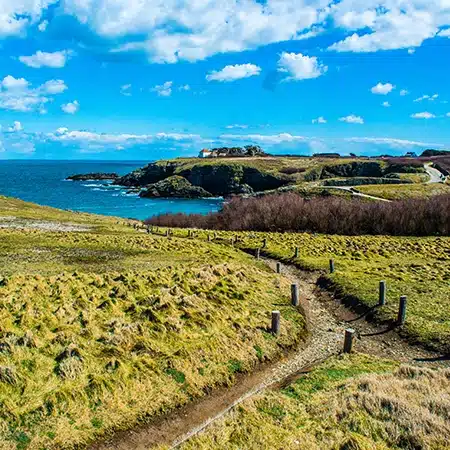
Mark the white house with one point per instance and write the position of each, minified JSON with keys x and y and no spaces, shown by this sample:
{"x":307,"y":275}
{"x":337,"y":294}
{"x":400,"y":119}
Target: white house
{"x":205,"y":153}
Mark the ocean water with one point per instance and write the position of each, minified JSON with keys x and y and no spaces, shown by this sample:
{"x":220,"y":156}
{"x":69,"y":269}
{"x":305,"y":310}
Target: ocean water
{"x":43,"y":182}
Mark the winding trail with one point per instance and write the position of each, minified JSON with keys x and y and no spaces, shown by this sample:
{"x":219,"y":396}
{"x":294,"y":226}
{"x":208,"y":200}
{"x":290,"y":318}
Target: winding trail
{"x":326,"y":320}
{"x":356,"y":193}
{"x":435,"y":175}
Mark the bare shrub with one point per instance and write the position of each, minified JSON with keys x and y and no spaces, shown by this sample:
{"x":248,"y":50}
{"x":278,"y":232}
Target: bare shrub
{"x":289,"y":212}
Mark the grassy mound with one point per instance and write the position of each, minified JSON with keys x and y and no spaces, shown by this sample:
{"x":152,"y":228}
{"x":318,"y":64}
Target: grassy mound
{"x":350,"y":402}
{"x":400,"y":192}
{"x":101,"y":329}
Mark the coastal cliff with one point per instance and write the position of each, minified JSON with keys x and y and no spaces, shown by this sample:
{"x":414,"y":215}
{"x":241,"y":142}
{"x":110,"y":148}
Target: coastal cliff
{"x":221,"y":178}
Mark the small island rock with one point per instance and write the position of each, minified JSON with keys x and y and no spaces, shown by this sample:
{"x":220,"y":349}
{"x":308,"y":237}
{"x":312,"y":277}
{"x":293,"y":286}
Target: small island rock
{"x":93,"y":176}
{"x":174,"y":186}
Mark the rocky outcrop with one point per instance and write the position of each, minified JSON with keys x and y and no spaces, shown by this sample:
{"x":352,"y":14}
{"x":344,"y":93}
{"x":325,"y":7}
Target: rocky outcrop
{"x":151,"y":173}
{"x":93,"y":176}
{"x":176,"y":187}
{"x":219,"y":178}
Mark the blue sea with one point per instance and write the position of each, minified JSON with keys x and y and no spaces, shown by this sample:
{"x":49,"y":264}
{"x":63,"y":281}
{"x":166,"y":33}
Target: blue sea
{"x":43,"y":182}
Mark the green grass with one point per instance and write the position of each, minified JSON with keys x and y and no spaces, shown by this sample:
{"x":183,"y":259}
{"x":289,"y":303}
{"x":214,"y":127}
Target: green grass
{"x":105,"y":328}
{"x":401,"y":192}
{"x":349,"y":402}
{"x":416,"y":267}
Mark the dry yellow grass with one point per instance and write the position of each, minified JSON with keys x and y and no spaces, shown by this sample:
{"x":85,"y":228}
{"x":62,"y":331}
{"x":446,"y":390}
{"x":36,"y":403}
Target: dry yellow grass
{"x":335,"y":407}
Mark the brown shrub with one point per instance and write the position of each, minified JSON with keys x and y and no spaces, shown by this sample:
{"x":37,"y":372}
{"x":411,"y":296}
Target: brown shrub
{"x":289,"y":212}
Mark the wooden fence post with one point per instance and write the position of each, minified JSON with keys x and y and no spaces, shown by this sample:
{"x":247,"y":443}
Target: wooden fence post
{"x":167,"y":233}
{"x":275,"y":322}
{"x":382,"y":293}
{"x":258,"y":253}
{"x":348,"y":340}
{"x":209,"y":237}
{"x":296,"y":252}
{"x":264,"y":243}
{"x":294,"y":295}
{"x":402,"y":310}
{"x":278,"y":267}
{"x":331,"y":265}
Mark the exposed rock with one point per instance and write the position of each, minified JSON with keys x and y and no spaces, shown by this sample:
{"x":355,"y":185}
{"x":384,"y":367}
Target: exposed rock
{"x":216,"y":179}
{"x":174,"y":186}
{"x":93,"y":176}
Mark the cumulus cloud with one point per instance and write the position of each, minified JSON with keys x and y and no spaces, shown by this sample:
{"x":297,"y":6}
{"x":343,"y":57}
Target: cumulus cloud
{"x":16,"y":94}
{"x":163,"y":90}
{"x":71,"y":108}
{"x":404,"y":92}
{"x":184,"y":87}
{"x":43,"y":26}
{"x":16,"y":127}
{"x":382,"y":89}
{"x":54,"y":60}
{"x":233,"y":73}
{"x":300,"y":67}
{"x":386,"y":104}
{"x":352,"y":119}
{"x":423,"y":115}
{"x":319,"y":120}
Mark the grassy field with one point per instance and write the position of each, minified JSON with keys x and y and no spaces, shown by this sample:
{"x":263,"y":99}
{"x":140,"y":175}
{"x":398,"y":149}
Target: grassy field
{"x":416,"y":267}
{"x":401,"y":192}
{"x":350,"y":402}
{"x":104,"y":328}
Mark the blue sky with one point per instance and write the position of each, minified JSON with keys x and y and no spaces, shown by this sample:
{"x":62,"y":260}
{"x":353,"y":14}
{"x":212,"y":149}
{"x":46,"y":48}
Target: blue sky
{"x":123,"y":79}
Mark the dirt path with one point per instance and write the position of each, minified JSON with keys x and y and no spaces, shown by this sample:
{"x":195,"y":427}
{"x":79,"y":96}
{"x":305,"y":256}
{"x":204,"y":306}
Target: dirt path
{"x":327,"y":320}
{"x":435,"y":175}
{"x":356,"y":193}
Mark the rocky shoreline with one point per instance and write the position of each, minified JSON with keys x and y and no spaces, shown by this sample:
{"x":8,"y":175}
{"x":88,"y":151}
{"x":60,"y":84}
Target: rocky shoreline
{"x":97,"y":176}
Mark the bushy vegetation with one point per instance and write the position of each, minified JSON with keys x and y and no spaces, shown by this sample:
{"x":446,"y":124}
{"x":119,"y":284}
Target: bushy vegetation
{"x":350,"y":402}
{"x":101,"y":329}
{"x":291,"y":212}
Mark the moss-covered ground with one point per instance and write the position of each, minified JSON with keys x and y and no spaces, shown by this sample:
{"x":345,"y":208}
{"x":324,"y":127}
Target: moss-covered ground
{"x":104,"y":328}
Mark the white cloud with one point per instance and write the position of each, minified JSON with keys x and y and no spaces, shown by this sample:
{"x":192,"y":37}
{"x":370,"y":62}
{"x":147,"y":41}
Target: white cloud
{"x":352,"y":119}
{"x":125,"y":90}
{"x":71,"y":108}
{"x":263,"y":139}
{"x":43,"y":25}
{"x":163,"y":90}
{"x":17,"y":126}
{"x":319,"y":120}
{"x":11,"y":83}
{"x":184,"y":87}
{"x":16,"y":94}
{"x":431,"y":98}
{"x":423,"y":115}
{"x":53,"y":87}
{"x":445,"y":33}
{"x":55,"y":60}
{"x":233,"y":73}
{"x":386,"y":104}
{"x":63,"y":135}
{"x":208,"y":26}
{"x":448,"y":114}
{"x":411,"y":51}
{"x":390,"y":141}
{"x":404,"y":92}
{"x":236,"y":125}
{"x":300,"y":67}
{"x":397,"y":24}
{"x":17,"y":15}
{"x":382,"y":89}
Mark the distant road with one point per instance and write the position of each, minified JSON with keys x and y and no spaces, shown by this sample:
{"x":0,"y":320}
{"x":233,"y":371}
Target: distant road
{"x":356,"y":193}
{"x":435,"y":175}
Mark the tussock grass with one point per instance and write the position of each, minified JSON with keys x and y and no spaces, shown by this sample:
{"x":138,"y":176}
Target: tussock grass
{"x":100,"y":330}
{"x":350,"y":402}
{"x":416,"y":267}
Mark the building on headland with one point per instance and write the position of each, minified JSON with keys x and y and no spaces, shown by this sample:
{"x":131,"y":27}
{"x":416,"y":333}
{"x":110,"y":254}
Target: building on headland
{"x":205,"y":153}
